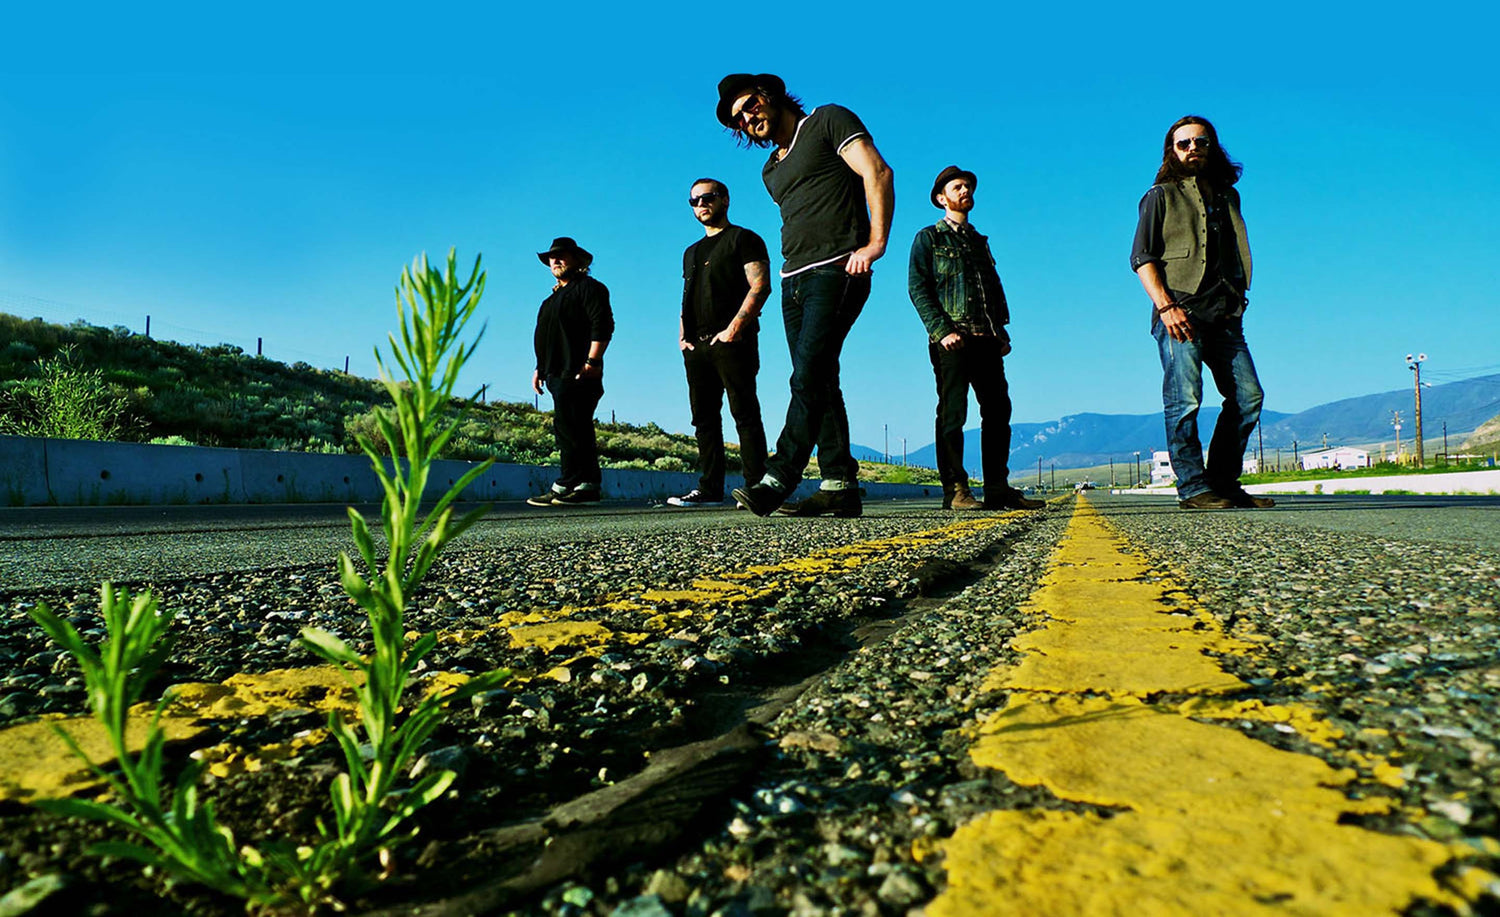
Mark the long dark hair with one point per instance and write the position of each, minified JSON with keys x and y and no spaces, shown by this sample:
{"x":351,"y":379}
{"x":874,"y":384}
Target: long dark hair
{"x":1220,"y":170}
{"x":781,"y":101}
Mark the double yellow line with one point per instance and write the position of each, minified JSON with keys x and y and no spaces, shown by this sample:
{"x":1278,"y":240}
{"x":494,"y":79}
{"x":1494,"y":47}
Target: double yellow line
{"x":1178,"y":816}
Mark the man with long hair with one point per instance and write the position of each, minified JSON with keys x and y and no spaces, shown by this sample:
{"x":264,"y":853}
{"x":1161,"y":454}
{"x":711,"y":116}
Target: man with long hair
{"x":836,"y":196}
{"x":1193,"y":259}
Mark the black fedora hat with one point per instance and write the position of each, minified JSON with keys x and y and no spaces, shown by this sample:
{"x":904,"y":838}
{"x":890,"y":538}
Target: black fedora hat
{"x":948,"y":175}
{"x":734,"y":85}
{"x":565,"y":244}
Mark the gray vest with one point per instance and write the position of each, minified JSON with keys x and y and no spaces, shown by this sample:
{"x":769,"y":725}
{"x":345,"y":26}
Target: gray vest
{"x":1185,"y":234}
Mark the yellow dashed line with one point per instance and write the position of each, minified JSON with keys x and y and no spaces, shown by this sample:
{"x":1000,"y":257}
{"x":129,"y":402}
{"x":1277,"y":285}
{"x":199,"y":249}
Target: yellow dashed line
{"x":1206,"y":820}
{"x":34,"y":763}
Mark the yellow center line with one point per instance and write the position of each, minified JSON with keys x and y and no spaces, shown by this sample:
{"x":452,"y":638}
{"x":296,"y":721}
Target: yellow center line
{"x":35,"y":763}
{"x":1204,"y":819}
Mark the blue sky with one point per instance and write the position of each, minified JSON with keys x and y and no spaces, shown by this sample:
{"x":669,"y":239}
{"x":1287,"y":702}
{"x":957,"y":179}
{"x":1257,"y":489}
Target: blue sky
{"x":267,"y":172}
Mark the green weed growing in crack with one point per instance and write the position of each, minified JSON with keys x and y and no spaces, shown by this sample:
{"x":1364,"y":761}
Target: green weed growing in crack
{"x":186,"y":841}
{"x":372,"y":802}
{"x":369,"y":803}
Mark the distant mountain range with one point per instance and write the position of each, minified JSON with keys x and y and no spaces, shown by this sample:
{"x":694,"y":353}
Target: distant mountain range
{"x":1086,"y":440}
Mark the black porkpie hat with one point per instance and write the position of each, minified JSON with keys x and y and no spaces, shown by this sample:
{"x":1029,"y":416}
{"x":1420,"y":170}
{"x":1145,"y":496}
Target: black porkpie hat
{"x":734,"y":85}
{"x":946,"y":176}
{"x":565,"y":244}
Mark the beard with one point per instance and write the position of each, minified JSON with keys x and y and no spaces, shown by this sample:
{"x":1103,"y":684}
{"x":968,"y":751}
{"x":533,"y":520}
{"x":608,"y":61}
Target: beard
{"x":1194,"y":164}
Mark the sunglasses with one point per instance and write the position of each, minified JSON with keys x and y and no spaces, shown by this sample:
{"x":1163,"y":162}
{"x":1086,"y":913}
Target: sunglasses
{"x":707,"y":197}
{"x":1199,"y":143}
{"x":753,"y":105}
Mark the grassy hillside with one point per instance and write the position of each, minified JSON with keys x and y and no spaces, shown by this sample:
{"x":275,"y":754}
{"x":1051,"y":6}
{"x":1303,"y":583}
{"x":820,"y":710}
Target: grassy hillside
{"x":220,"y":396}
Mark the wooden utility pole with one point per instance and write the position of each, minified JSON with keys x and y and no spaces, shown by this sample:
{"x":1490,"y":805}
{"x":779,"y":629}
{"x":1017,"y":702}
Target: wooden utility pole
{"x":1415,"y":365}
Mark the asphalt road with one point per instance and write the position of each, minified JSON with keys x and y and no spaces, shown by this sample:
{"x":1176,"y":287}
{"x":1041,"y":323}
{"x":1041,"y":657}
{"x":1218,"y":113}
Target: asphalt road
{"x":964,"y":712}
{"x":49,"y":547}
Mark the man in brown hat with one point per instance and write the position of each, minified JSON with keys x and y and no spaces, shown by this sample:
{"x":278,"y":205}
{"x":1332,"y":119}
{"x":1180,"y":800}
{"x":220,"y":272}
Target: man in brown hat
{"x":573,"y":328}
{"x":954,"y":285}
{"x":836,"y":196}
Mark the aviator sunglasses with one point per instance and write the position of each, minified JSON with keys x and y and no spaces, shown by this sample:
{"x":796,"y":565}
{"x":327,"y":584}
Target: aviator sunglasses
{"x":1201,"y":143}
{"x":707,"y":197}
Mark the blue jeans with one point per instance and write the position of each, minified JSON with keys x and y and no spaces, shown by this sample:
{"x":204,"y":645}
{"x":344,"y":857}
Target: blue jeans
{"x":819,"y":307}
{"x":1221,"y":347}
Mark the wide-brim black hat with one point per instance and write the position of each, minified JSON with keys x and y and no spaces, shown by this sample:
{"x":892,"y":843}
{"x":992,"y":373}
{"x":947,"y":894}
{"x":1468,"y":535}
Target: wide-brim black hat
{"x":946,"y":176}
{"x":734,"y":85}
{"x":565,"y":244}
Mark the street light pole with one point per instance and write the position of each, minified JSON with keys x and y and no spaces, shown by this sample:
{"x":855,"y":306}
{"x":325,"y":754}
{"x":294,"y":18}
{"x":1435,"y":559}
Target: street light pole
{"x":1137,"y":481}
{"x":1416,"y":368}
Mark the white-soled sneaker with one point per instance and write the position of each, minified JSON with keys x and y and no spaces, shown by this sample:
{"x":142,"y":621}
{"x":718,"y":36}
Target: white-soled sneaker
{"x":695,"y":497}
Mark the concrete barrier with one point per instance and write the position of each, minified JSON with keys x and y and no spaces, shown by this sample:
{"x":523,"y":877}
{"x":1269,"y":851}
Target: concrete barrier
{"x":1457,"y":482}
{"x":66,"y":472}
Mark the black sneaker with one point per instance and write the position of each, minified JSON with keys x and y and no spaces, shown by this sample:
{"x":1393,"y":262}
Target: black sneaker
{"x":545,"y":498}
{"x":695,"y":498}
{"x":760,"y":499}
{"x":842,"y":504}
{"x":576,"y":496}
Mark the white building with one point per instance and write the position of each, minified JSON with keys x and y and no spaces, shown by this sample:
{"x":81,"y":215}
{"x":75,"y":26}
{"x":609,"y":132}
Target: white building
{"x":1250,"y":465}
{"x":1341,"y":457}
{"x":1161,"y":469}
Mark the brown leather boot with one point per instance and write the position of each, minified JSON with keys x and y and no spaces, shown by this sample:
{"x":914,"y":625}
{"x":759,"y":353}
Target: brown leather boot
{"x":963,"y":499}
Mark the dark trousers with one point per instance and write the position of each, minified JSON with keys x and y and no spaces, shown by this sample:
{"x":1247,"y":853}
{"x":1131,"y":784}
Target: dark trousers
{"x":819,"y":307}
{"x":573,"y":404}
{"x":714,"y":370}
{"x":976,"y":365}
{"x":1221,"y":347}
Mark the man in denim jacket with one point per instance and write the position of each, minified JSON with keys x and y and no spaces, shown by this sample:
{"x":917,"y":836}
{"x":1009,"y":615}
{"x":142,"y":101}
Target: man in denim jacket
{"x":953,"y":283}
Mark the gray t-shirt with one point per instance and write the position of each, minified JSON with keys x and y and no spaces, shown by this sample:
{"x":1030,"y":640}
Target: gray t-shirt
{"x":822,"y":200}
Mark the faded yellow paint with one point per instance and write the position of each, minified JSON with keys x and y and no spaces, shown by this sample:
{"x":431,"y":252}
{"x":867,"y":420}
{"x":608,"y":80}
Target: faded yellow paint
{"x":227,"y":760}
{"x":33,"y":762}
{"x":1201,"y":819}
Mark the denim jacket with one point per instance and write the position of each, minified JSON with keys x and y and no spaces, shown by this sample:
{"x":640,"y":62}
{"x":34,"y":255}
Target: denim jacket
{"x":953,"y":292}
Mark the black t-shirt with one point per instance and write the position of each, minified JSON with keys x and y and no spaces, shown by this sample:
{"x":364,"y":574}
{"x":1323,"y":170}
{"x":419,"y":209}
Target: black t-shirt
{"x":714,"y":271}
{"x":822,"y":200}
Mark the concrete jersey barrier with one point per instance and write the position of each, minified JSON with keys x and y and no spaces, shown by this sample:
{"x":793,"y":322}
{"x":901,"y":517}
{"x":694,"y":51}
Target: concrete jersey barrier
{"x":36,"y":471}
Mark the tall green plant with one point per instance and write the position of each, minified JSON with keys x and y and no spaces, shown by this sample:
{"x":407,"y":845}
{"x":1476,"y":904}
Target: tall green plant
{"x":66,"y":401}
{"x":370,"y":805}
{"x":368,"y":808}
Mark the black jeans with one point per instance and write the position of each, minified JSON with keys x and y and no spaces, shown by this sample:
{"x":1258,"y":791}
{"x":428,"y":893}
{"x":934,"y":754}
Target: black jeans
{"x":714,"y":370}
{"x":573,"y":404}
{"x":978,"y":364}
{"x":819,"y":307}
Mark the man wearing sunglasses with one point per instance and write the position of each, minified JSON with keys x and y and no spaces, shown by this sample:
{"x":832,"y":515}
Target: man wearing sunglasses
{"x":1193,"y":259}
{"x":952,"y":281}
{"x":836,"y":197}
{"x":724,"y":284}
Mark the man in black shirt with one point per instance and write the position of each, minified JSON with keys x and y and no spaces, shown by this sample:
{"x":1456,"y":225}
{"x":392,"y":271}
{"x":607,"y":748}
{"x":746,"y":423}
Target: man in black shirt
{"x":573,"y":328}
{"x":1193,"y":259}
{"x":724,"y":285}
{"x":836,"y":197}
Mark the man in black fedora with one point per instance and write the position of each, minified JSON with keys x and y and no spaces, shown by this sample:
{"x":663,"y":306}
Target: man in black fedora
{"x":573,"y":328}
{"x":954,"y":285}
{"x":725,"y":283}
{"x":836,"y":196}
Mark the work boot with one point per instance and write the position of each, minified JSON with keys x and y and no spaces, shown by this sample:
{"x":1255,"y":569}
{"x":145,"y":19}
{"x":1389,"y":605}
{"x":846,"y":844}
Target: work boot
{"x":963,"y":499}
{"x":843,"y":504}
{"x":1206,"y":500}
{"x":1013,"y":499}
{"x":1245,"y":500}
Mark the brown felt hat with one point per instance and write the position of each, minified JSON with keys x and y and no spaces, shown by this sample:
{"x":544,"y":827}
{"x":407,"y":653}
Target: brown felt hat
{"x":735,"y":85}
{"x":565,"y":244}
{"x":946,"y":176}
